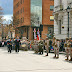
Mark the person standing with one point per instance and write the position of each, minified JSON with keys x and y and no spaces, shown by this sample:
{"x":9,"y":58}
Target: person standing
{"x":67,"y":47}
{"x":70,"y":49}
{"x":57,"y":48}
{"x":54,"y":46}
{"x":17,"y":43}
{"x":47,"y":46}
{"x":9,"y":46}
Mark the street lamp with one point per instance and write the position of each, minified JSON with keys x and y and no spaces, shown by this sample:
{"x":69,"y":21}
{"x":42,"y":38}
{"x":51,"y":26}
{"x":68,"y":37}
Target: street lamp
{"x":68,"y":10}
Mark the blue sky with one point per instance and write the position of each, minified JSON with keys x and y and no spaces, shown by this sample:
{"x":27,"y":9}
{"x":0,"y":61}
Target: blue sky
{"x":7,"y":6}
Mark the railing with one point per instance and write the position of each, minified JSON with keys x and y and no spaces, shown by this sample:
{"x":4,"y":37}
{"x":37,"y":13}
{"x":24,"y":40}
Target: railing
{"x":58,"y":8}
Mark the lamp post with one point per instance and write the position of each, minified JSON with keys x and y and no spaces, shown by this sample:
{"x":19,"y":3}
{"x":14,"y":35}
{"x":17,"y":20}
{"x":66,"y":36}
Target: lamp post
{"x":68,"y":10}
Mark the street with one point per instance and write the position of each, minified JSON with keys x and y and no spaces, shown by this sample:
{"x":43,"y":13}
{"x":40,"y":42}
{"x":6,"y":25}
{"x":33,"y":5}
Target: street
{"x":27,"y":61}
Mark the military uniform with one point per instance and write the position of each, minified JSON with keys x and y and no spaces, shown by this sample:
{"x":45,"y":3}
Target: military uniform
{"x":40,"y":46}
{"x":54,"y":46}
{"x":67,"y":47}
{"x":36,"y":46}
{"x":47,"y":46}
{"x":56,"y":49}
{"x":70,"y":49}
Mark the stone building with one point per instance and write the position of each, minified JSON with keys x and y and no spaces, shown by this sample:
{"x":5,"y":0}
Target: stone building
{"x":61,"y":29}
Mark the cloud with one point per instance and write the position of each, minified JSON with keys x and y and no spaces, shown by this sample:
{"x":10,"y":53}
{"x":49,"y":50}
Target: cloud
{"x":7,"y":17}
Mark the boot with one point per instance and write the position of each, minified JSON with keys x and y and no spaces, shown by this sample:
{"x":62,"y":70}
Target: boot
{"x":67,"y":58}
{"x":47,"y":54}
{"x":57,"y":57}
{"x":70,"y":59}
{"x":54,"y":56}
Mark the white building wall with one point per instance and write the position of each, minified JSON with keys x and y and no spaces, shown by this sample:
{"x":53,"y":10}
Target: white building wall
{"x":63,"y":16}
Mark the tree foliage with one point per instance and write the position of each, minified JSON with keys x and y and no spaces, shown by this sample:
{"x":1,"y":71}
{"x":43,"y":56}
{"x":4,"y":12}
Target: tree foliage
{"x":1,"y":13}
{"x":34,"y":19}
{"x":15,"y":21}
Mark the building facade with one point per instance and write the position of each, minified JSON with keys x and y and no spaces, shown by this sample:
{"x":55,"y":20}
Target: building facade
{"x":22,"y":13}
{"x":26,"y":11}
{"x":47,"y":17}
{"x":61,"y":19}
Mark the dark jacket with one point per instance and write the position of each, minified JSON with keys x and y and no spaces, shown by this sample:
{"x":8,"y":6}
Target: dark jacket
{"x":17,"y":42}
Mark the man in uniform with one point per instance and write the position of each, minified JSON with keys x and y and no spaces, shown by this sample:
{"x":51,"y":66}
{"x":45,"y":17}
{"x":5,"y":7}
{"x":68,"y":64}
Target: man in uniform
{"x":70,"y":49}
{"x":53,"y":44}
{"x":67,"y":48}
{"x":57,"y":43}
{"x":47,"y":45}
{"x":36,"y":46}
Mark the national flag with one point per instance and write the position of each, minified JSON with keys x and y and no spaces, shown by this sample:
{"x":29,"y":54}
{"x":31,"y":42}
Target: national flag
{"x":38,"y":35}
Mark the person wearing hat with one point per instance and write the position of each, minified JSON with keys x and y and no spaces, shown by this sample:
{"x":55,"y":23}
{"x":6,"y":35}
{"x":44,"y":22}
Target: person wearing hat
{"x":56,"y":48}
{"x":47,"y":46}
{"x":67,"y":46}
{"x":54,"y":44}
{"x":71,"y":51}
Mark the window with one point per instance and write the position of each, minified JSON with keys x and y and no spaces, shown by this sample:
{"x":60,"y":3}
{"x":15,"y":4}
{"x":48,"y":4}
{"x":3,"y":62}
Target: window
{"x":50,"y":30}
{"x":21,"y":20}
{"x":51,"y":8}
{"x":21,"y":1}
{"x":59,"y":26}
{"x":23,"y":9}
{"x":18,"y":21}
{"x":51,"y":18}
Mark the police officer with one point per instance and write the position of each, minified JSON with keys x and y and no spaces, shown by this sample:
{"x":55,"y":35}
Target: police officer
{"x":67,"y":47}
{"x":17,"y":43}
{"x":47,"y":46}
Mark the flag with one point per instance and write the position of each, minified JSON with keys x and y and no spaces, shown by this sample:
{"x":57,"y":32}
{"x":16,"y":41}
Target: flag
{"x":34,"y":34}
{"x":38,"y":35}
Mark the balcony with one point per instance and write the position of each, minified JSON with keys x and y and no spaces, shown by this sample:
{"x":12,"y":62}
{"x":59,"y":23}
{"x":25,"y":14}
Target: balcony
{"x":58,"y":8}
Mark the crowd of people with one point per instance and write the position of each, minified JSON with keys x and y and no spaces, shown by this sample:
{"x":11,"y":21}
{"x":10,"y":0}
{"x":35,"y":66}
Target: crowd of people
{"x":57,"y":45}
{"x":48,"y":44}
{"x":13,"y":44}
{"x":67,"y":45}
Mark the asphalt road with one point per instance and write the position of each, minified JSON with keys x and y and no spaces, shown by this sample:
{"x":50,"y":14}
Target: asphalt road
{"x":27,"y":61}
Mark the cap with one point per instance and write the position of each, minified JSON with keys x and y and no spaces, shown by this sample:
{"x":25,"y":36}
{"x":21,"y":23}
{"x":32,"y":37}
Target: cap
{"x":66,"y":38}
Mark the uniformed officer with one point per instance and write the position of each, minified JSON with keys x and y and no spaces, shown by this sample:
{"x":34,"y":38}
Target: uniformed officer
{"x":67,"y":47}
{"x":70,"y":49}
{"x":36,"y":46}
{"x":54,"y":44}
{"x":47,"y":45}
{"x":17,"y":43}
{"x":57,"y":47}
